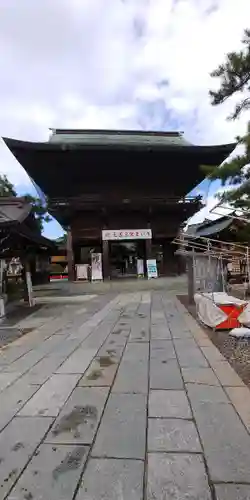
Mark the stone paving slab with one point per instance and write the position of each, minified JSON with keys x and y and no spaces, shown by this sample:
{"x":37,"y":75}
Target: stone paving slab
{"x":119,"y":337}
{"x":122,"y":433}
{"x":232,"y":491}
{"x":212,"y":354}
{"x":240,"y":398}
{"x":190,"y":357}
{"x":50,"y":398}
{"x":165,"y":374}
{"x":65,"y":347}
{"x":172,"y":404}
{"x":78,"y":421}
{"x":177,"y":476}
{"x":225,"y":440}
{"x":53,"y":473}
{"x":98,"y":375}
{"x":184,"y":344}
{"x":25,"y":362}
{"x":77,"y":362}
{"x":113,"y":351}
{"x":132,"y":375}
{"x":17,"y":443}
{"x":226,"y":374}
{"x":197,"y":375}
{"x":160,"y":332}
{"x":44,"y":369}
{"x":162,"y":349}
{"x":7,"y":379}
{"x":172,"y":435}
{"x":117,"y":480}
{"x":88,"y":371}
{"x":206,"y":394}
{"x":13,"y":398}
{"x":139,"y":331}
{"x":181,"y":333}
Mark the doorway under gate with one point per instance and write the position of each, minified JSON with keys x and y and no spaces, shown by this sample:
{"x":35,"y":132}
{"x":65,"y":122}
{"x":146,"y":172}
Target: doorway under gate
{"x":124,"y":256}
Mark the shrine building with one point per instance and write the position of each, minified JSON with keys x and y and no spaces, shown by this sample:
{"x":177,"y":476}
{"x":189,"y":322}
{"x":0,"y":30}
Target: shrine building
{"x":121,"y":194}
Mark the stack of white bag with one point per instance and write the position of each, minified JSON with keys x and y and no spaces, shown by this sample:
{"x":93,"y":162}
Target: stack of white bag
{"x":209,"y":312}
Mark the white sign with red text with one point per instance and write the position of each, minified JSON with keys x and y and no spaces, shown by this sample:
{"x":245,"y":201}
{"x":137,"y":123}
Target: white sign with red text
{"x":127,"y":234}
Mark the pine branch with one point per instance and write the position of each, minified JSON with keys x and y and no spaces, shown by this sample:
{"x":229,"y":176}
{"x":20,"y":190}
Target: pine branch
{"x":235,"y":77}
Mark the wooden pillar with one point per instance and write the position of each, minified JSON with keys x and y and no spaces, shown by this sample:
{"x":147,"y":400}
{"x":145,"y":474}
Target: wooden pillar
{"x":105,"y":260}
{"x":27,"y":282}
{"x":190,"y":275}
{"x":70,"y":256}
{"x":166,"y":260}
{"x":148,"y":254}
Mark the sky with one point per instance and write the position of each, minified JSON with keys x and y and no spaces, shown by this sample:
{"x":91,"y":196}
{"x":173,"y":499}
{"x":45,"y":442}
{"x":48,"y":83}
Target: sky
{"x":127,"y":64}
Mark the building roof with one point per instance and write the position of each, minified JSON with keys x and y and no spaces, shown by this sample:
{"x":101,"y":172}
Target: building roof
{"x":13,"y":210}
{"x":117,"y":137}
{"x":17,"y":228}
{"x":76,"y":160}
{"x":209,"y":228}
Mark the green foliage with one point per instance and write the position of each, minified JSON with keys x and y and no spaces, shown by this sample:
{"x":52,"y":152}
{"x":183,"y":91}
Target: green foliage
{"x":6,"y":188}
{"x":235,"y":78}
{"x":39,"y":209}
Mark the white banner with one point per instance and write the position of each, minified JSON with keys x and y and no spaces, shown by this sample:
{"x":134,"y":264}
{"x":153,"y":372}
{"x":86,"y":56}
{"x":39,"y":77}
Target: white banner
{"x":96,"y":266}
{"x":127,"y":234}
{"x":140,"y":267}
{"x":82,"y":271}
{"x":152,"y":268}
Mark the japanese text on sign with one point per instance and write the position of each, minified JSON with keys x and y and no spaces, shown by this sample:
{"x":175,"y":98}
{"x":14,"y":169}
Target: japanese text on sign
{"x":127,"y":234}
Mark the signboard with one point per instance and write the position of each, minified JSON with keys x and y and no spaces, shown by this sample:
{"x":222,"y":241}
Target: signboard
{"x":96,"y":266}
{"x":82,"y":271}
{"x":152,"y":268}
{"x":127,"y":234}
{"x":140,"y":267}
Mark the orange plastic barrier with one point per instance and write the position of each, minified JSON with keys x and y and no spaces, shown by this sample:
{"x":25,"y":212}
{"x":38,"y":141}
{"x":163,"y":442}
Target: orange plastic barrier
{"x":232,"y":311}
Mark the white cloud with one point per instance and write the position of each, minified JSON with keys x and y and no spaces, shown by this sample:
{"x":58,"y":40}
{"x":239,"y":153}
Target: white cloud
{"x":115,"y":64}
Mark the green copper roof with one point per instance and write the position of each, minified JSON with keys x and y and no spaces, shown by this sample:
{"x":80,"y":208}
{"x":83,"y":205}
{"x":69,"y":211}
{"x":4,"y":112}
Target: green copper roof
{"x":118,"y":137}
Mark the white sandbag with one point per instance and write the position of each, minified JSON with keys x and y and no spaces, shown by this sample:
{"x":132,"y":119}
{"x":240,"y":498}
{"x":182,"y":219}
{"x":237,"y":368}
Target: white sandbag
{"x":207,"y":310}
{"x":244,"y":317}
{"x":240,"y":332}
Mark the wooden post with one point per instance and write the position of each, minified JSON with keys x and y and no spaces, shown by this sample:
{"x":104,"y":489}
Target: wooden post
{"x":190,"y":275}
{"x":2,"y":302}
{"x":28,"y":290}
{"x":70,"y":256}
{"x":148,"y":253}
{"x":165,"y":257}
{"x":105,"y":259}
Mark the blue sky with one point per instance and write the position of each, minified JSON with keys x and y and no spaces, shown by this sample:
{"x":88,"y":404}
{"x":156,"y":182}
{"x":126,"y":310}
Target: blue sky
{"x":128,"y":64}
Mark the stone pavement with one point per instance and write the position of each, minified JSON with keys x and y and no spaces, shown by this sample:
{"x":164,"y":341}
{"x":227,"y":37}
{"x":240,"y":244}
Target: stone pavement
{"x":123,"y":397}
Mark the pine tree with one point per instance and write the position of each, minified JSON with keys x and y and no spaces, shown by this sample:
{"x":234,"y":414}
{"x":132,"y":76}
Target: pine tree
{"x":235,"y":78}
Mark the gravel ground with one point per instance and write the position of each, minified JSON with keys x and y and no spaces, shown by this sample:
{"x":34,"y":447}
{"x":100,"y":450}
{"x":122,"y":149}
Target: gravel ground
{"x":236,"y":351}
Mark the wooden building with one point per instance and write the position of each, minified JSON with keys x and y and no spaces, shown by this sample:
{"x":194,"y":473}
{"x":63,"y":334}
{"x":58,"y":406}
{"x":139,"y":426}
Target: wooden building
{"x":20,"y":238}
{"x":120,"y":193}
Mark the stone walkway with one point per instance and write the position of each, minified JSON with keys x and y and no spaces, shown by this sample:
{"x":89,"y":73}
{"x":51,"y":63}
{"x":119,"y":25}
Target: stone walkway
{"x":121,"y":398}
